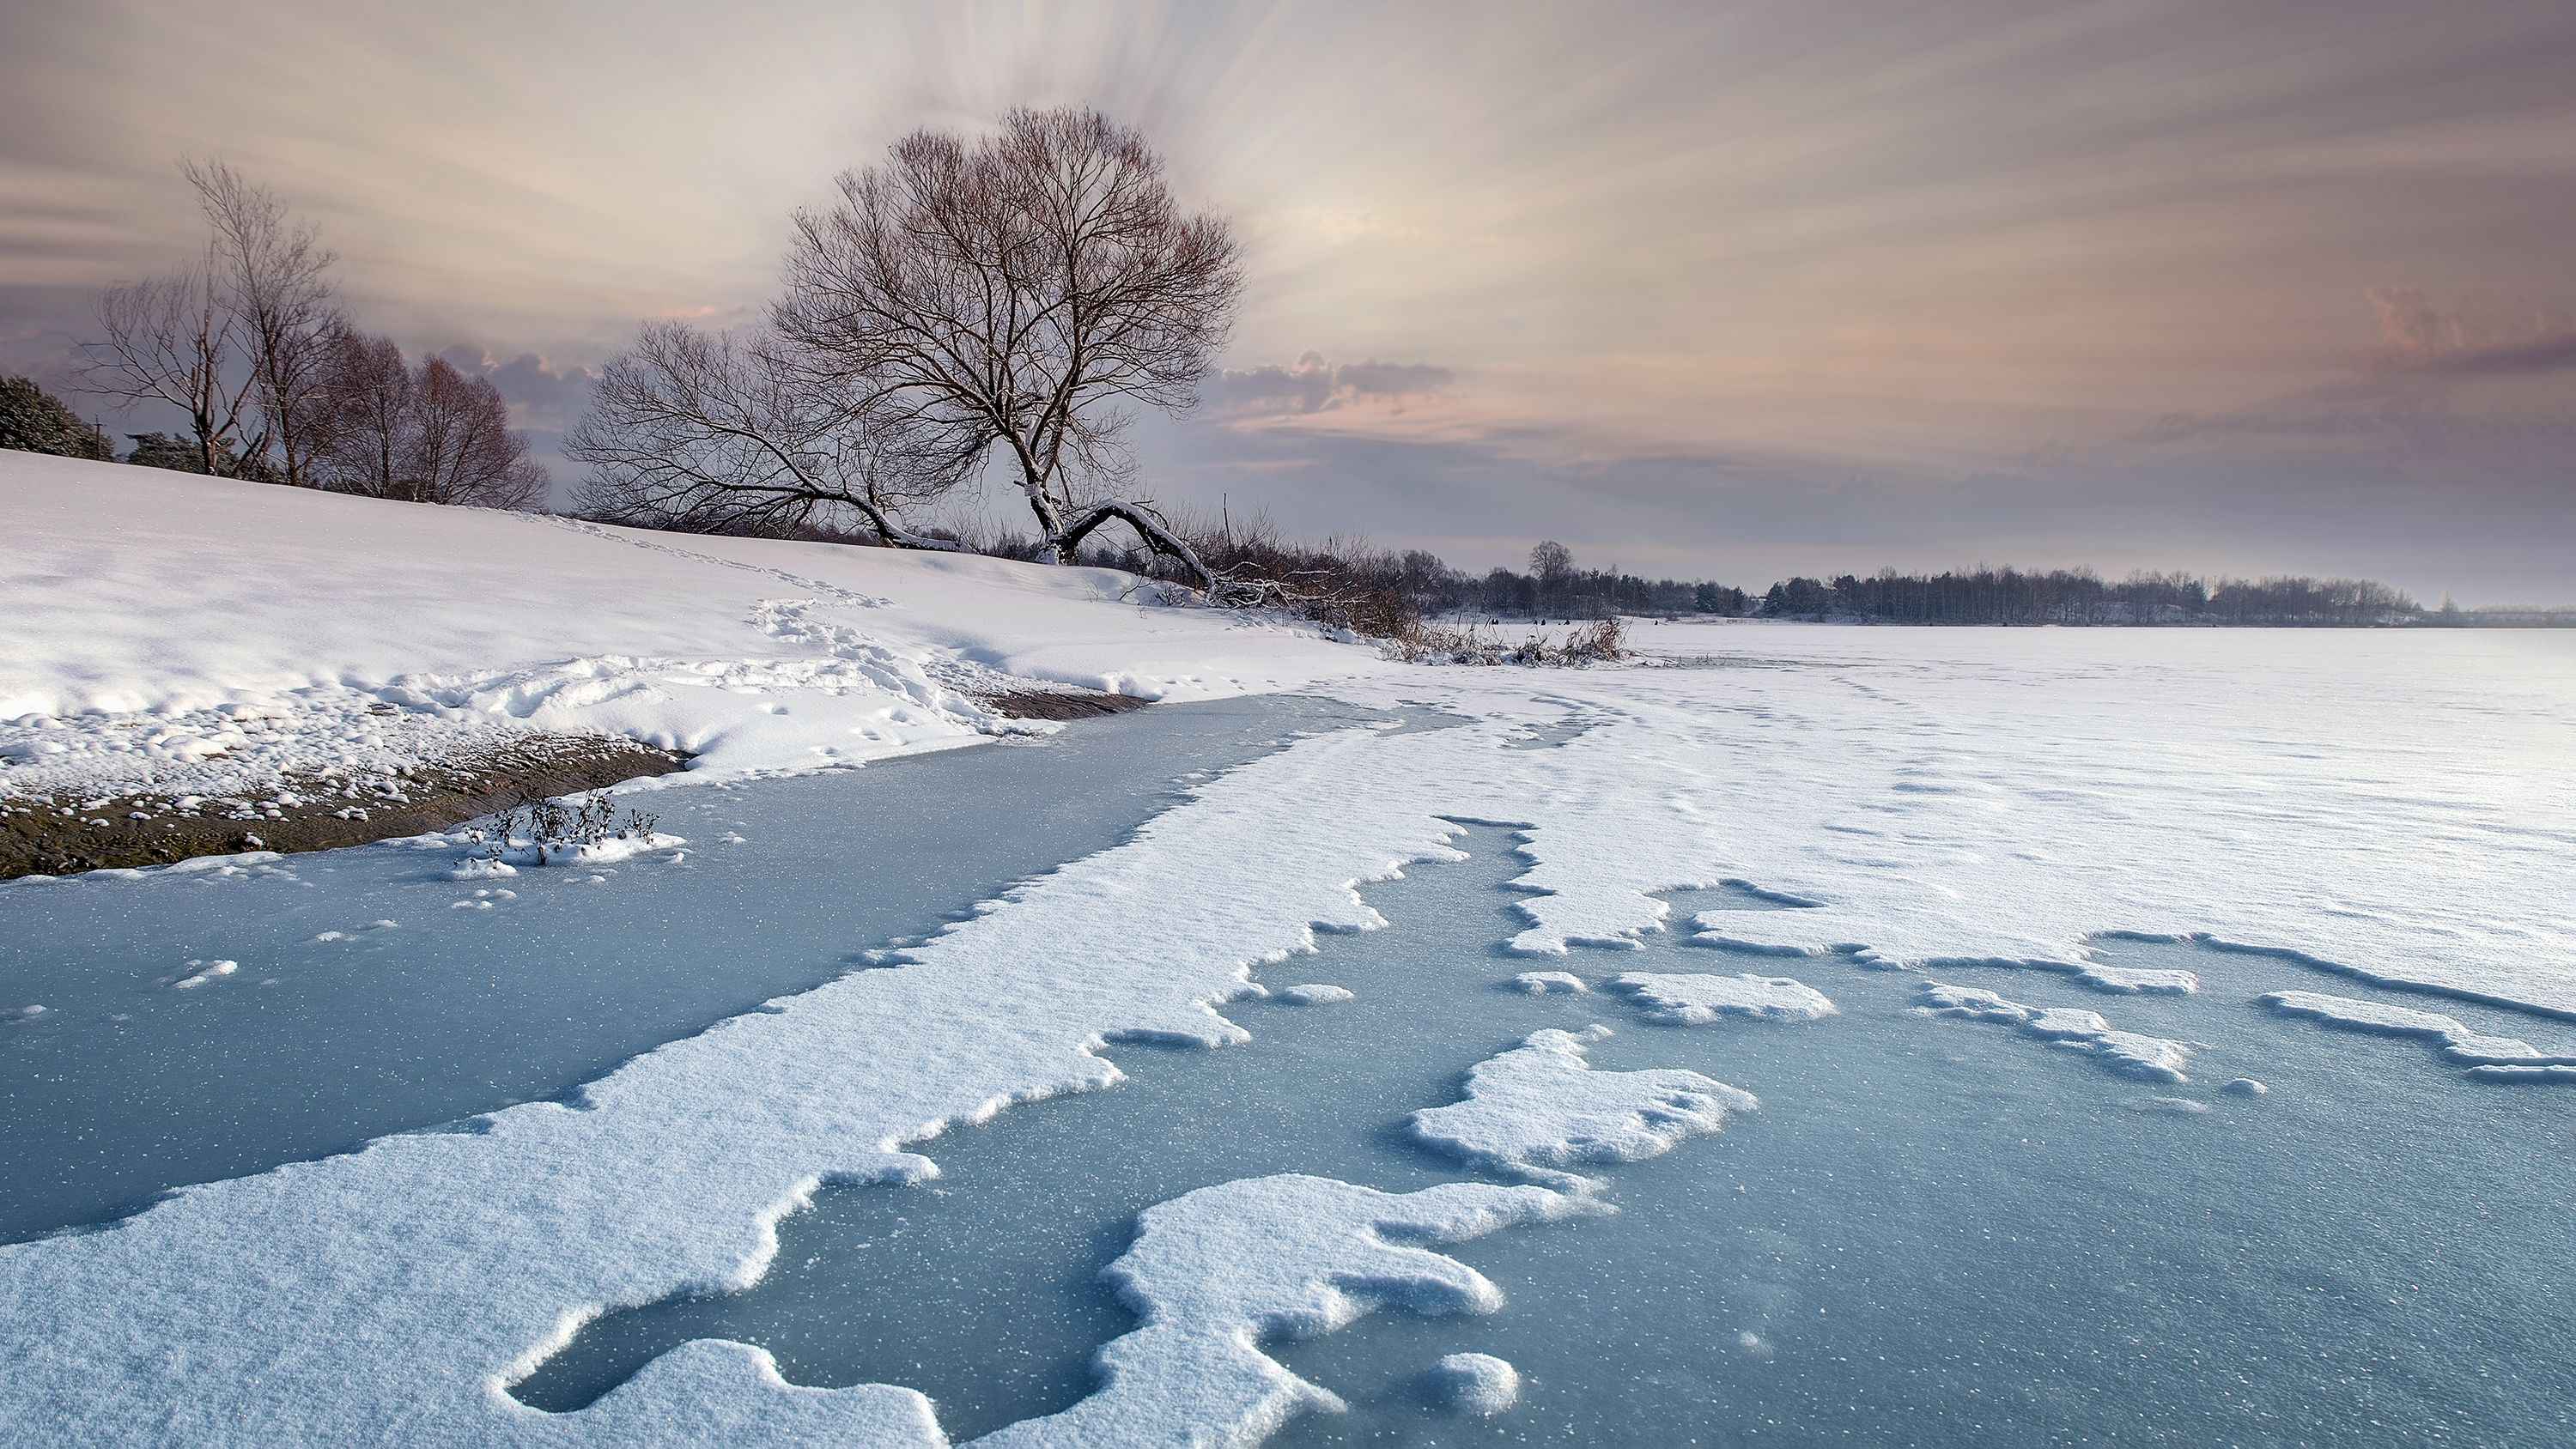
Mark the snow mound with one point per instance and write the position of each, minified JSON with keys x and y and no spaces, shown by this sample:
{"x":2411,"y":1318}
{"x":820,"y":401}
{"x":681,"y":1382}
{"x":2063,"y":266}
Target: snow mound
{"x":1545,"y":983}
{"x":1216,"y":1271}
{"x":2127,"y":1052}
{"x":1315,"y":994}
{"x":1694,"y":999}
{"x":1540,"y":1107}
{"x":1476,"y":1383}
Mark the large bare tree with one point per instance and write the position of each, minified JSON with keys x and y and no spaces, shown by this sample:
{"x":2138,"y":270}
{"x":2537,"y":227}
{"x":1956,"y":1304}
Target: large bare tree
{"x":171,"y":340}
{"x":239,"y":340}
{"x":714,"y":434}
{"x":276,"y":280}
{"x":1018,"y":295}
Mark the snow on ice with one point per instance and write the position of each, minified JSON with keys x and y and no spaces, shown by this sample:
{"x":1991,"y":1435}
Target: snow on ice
{"x":1548,"y":983}
{"x":1540,"y":1108}
{"x":1476,"y":1383}
{"x":1694,"y":999}
{"x":2489,"y":1058}
{"x":1216,"y":1270}
{"x":2071,"y":1027}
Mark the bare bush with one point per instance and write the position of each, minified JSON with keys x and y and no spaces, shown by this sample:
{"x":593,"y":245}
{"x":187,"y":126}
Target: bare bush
{"x":1603,"y":641}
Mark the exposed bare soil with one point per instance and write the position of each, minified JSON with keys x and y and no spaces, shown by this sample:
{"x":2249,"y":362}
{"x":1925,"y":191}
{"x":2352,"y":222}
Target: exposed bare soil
{"x":71,"y":833}
{"x":1063,"y":702}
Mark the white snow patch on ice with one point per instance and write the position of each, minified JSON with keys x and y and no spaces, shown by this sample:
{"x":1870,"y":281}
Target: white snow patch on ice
{"x":1546,"y":983}
{"x":1695,"y":998}
{"x":2460,"y":1042}
{"x":1540,"y":1108}
{"x":1476,"y":1383}
{"x":1315,"y":994}
{"x":1215,"y":1271}
{"x":2071,"y":1027}
{"x":205,"y":971}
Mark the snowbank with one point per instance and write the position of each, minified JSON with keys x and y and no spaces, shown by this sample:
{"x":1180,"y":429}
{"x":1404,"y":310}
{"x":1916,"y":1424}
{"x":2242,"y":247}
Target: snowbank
{"x":199,"y":635}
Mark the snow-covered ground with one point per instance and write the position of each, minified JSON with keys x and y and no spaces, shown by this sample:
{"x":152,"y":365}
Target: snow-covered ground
{"x":2397,"y":808}
{"x":182,"y":635}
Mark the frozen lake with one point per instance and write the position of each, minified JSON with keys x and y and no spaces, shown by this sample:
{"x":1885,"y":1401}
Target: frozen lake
{"x":692,"y":1101}
{"x":1934,"y":1229}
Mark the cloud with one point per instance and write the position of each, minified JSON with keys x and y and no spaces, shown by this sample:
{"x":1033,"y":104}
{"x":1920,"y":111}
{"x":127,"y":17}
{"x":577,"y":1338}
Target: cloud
{"x":1314,"y":385}
{"x":2417,"y":337}
{"x":2404,"y":389}
{"x":541,"y":394}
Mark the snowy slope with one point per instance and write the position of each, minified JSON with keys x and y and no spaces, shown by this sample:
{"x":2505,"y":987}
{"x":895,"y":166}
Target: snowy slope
{"x":137,"y":603}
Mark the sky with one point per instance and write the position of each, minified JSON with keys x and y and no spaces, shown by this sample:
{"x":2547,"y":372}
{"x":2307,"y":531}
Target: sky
{"x":1706,"y":289}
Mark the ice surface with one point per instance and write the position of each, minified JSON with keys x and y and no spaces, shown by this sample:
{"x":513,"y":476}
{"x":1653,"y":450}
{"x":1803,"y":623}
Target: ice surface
{"x":2071,"y":1027}
{"x":1548,"y":983}
{"x":1541,"y":1107}
{"x":1476,"y":1383}
{"x":1694,"y":999}
{"x":1217,"y":1271}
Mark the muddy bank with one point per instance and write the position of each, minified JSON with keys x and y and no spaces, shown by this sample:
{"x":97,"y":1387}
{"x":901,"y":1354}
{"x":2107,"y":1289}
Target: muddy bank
{"x":74,"y":832}
{"x":1063,"y":702}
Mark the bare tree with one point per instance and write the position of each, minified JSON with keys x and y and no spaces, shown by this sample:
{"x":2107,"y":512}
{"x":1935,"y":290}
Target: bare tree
{"x":368,"y":397}
{"x":703,"y":432}
{"x":275,"y":282}
{"x":1018,"y":294}
{"x":171,"y":340}
{"x":425,"y":435}
{"x":463,"y":449}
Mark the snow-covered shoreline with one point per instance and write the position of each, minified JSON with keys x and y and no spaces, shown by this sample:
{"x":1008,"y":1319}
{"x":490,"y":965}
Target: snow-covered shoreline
{"x":201,"y":636}
{"x":2391,"y":809}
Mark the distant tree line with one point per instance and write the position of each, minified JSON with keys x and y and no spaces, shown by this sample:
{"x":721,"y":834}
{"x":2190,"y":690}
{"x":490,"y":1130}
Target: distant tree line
{"x":2080,"y":596}
{"x":272,"y":381}
{"x":1376,"y":590}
